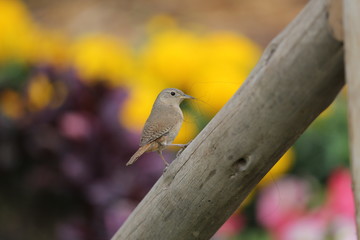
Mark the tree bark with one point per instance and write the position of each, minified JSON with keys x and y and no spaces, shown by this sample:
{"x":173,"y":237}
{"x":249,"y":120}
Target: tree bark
{"x":351,"y":16}
{"x":299,"y":75}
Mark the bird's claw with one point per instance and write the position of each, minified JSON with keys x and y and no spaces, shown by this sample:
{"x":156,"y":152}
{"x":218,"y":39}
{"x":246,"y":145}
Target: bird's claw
{"x":182,"y":149}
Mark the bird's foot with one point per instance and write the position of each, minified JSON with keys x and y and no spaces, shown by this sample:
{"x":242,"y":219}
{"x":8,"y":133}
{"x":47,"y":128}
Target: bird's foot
{"x":182,"y":148}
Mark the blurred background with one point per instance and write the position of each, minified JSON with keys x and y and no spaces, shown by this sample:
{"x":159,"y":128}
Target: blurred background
{"x":77,"y":82}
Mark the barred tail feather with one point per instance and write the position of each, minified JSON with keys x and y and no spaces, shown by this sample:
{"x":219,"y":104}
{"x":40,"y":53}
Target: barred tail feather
{"x":138,"y":153}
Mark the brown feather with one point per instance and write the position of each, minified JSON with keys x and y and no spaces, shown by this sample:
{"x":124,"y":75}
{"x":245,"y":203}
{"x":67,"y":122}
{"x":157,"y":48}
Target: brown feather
{"x":160,"y":122}
{"x":138,"y":153}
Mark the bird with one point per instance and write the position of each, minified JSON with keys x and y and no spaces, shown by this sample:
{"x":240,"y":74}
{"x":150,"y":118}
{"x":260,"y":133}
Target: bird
{"x":163,"y":124}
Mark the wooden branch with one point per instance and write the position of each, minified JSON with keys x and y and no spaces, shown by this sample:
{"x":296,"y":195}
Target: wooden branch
{"x":298,"y":76}
{"x":352,"y":58}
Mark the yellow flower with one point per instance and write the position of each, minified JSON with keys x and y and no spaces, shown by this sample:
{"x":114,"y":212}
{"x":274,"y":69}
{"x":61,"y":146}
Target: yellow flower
{"x":227,"y":61}
{"x":18,"y":34}
{"x":281,"y":167}
{"x":11,"y":104}
{"x":226,"y":49}
{"x":211,"y":68}
{"x":52,"y":48}
{"x":99,"y":57}
{"x":40,"y":92}
{"x":214,"y":88}
{"x":188,"y":129}
{"x":137,"y":107}
{"x":173,"y":56}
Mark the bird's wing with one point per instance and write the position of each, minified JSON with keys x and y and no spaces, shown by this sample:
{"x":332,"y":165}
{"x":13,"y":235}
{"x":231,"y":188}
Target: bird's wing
{"x":153,"y":131}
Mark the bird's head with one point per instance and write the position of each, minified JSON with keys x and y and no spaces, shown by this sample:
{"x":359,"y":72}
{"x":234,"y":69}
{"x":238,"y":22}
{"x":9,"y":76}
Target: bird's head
{"x":172,"y":96}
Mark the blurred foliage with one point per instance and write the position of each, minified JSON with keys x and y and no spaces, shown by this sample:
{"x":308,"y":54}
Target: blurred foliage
{"x":324,"y":147}
{"x":71,"y":112}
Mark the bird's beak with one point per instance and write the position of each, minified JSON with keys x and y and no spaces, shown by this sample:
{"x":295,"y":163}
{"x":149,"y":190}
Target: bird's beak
{"x":187,"y":97}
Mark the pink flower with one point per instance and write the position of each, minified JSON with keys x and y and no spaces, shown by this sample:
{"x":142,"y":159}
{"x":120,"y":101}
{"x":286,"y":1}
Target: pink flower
{"x":343,"y":228}
{"x":282,"y":202}
{"x":75,"y":126}
{"x":310,"y":226}
{"x":282,"y":208}
{"x":341,"y":206}
{"x":231,"y":227}
{"x":340,"y":198}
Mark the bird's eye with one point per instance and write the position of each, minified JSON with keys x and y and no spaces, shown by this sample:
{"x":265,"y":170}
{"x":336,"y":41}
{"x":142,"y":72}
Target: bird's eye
{"x":172,"y":93}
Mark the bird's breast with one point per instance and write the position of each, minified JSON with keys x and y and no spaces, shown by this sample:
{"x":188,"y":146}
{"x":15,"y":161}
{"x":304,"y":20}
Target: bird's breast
{"x":174,"y":131}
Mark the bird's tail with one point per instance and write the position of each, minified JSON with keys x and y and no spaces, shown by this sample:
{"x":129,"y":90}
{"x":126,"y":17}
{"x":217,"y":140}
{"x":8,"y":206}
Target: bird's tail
{"x":138,"y":153}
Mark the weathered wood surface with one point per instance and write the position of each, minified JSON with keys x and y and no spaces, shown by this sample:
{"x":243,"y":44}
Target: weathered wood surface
{"x":351,"y":18}
{"x":298,"y":76}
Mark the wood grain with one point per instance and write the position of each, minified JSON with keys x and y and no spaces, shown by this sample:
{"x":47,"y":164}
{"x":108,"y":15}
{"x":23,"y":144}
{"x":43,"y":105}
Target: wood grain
{"x":299,"y":75}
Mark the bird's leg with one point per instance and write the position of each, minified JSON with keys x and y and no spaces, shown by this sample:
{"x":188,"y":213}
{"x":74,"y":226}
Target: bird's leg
{"x":162,"y":157}
{"x":178,"y":145}
{"x":182,"y":147}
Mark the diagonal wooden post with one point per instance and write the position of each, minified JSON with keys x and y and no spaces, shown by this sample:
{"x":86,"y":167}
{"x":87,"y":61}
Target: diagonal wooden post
{"x":351,"y":16}
{"x":299,"y":75}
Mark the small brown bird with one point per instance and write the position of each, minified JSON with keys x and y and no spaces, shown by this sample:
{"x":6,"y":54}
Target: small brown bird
{"x":163,"y":124}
